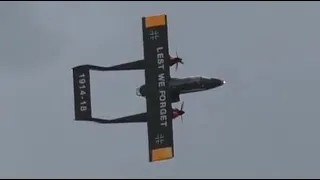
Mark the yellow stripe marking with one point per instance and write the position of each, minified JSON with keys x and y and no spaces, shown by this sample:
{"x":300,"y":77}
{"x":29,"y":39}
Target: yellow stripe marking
{"x":162,"y":154}
{"x":153,"y":21}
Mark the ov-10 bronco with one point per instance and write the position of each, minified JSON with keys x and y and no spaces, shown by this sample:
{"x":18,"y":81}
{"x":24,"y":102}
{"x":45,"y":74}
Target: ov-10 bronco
{"x":160,"y":90}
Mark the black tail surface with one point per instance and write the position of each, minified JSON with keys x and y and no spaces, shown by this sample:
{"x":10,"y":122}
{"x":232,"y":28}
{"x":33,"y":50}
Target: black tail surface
{"x":82,"y":93}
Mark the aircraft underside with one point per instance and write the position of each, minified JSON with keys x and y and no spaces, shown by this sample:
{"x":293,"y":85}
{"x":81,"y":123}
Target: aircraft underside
{"x":160,"y":89}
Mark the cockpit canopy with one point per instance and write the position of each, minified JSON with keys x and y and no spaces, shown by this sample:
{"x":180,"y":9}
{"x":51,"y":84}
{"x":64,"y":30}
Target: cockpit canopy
{"x":193,"y":79}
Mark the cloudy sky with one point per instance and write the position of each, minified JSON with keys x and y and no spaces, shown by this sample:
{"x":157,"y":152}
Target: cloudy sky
{"x":263,"y":123}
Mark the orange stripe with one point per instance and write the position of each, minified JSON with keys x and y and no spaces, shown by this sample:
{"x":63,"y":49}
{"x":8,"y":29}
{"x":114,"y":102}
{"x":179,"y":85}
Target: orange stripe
{"x":153,"y":21}
{"x":162,"y":154}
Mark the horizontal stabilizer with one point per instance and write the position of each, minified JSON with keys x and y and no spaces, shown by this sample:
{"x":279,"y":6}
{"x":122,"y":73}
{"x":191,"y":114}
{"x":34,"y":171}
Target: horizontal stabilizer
{"x":82,"y":96}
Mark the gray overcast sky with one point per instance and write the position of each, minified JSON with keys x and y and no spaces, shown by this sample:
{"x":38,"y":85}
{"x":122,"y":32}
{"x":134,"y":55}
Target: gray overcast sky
{"x":263,"y":123}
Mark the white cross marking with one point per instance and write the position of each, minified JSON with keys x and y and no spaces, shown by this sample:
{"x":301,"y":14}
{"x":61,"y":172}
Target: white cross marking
{"x":159,"y":139}
{"x":154,"y":35}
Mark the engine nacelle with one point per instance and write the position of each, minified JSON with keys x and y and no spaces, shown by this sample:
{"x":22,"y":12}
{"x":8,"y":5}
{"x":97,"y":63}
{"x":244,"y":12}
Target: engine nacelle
{"x":141,"y":91}
{"x":175,"y":97}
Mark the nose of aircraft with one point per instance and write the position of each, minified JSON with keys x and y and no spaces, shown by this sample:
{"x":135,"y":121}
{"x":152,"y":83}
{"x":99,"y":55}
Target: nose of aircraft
{"x":217,"y":82}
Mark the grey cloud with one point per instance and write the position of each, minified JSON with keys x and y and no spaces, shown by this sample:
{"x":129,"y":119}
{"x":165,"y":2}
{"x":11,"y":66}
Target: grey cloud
{"x":25,"y":44}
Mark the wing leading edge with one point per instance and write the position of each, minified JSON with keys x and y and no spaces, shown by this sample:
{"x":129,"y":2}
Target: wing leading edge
{"x":157,"y":75}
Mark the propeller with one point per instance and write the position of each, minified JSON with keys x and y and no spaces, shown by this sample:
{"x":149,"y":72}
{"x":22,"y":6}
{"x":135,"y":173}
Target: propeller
{"x":181,"y":110}
{"x":179,"y":60}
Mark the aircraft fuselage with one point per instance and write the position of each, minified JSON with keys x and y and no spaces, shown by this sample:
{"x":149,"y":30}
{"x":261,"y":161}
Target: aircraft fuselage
{"x":186,"y":85}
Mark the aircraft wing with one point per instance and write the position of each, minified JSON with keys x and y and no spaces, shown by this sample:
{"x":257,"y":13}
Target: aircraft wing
{"x":157,"y":75}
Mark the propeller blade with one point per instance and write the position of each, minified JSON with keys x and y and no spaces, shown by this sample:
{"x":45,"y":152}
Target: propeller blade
{"x":182,"y":104}
{"x":181,"y":108}
{"x":177,"y":64}
{"x":179,"y":60}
